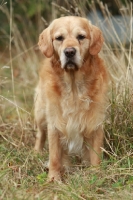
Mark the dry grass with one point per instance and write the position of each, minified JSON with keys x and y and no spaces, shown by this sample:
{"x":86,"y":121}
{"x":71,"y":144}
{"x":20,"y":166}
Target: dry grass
{"x":22,"y":172}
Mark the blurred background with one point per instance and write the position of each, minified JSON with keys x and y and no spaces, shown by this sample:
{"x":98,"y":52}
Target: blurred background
{"x":33,"y":16}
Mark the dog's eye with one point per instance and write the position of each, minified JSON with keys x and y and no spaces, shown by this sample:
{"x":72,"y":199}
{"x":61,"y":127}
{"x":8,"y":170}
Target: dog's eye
{"x":80,"y":37}
{"x":59,"y":38}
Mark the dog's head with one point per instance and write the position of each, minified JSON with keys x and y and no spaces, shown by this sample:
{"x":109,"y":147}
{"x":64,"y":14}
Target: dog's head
{"x":71,"y":39}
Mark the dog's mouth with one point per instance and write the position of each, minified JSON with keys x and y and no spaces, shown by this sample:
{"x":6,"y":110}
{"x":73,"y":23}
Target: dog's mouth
{"x":70,"y":65}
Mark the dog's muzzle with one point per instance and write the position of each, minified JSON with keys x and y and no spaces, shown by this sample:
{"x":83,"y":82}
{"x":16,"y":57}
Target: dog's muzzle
{"x":70,"y":64}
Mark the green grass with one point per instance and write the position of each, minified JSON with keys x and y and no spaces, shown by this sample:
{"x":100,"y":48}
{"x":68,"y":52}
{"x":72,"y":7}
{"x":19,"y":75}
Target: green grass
{"x":23,"y":174}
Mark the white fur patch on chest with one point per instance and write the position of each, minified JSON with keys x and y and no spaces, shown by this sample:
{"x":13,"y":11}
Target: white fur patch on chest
{"x":73,"y":144}
{"x":75,"y":106}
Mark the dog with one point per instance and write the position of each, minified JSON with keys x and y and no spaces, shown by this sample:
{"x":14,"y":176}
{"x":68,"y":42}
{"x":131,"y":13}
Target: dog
{"x":70,"y":98}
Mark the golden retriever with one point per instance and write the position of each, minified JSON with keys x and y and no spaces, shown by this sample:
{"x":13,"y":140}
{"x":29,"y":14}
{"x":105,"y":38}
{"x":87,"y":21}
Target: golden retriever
{"x":70,"y":100}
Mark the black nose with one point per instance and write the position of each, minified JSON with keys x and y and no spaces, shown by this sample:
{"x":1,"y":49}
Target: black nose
{"x":70,"y":52}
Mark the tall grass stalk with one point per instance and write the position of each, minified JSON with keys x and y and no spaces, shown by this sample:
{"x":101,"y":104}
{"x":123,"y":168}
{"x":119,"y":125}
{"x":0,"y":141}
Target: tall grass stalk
{"x":12,"y":75}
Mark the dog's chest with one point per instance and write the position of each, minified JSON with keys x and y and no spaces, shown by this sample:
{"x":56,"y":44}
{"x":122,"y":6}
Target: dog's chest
{"x":75,"y":105}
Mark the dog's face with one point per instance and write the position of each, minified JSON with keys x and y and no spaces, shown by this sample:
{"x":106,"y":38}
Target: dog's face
{"x":71,"y":39}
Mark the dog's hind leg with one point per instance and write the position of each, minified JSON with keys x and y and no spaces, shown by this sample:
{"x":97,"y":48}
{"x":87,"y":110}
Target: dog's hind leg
{"x":40,"y":137}
{"x":41,"y":125}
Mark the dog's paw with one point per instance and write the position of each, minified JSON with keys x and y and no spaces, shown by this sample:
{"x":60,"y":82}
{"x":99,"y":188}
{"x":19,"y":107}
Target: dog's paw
{"x":54,"y":176}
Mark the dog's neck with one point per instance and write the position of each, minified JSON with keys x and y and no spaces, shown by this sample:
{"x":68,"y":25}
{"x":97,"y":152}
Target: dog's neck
{"x":75,"y":81}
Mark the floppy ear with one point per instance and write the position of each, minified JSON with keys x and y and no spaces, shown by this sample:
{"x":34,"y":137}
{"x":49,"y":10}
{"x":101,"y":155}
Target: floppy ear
{"x":96,"y":41}
{"x":45,"y":43}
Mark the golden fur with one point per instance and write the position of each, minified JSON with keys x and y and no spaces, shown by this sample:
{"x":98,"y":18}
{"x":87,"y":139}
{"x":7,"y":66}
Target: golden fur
{"x":70,"y":98}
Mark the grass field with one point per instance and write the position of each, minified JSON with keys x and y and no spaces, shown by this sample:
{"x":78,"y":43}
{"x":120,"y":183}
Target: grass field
{"x":23,"y":174}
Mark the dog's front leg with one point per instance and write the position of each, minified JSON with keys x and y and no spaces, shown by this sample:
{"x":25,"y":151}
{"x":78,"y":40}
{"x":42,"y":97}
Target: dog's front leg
{"x":92,"y":149}
{"x":54,"y":155}
{"x":96,"y":143}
